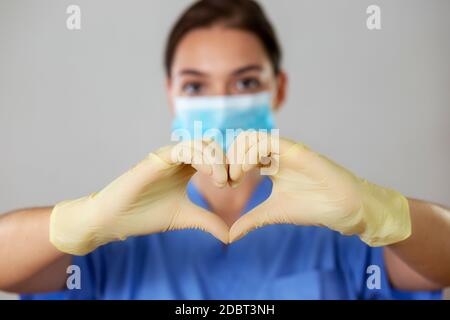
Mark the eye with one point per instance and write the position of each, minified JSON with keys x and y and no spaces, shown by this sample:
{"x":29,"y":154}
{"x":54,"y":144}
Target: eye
{"x":248,"y":84}
{"x":192,"y":88}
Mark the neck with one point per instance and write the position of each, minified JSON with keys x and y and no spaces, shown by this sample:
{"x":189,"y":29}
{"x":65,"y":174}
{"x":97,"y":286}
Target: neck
{"x":228,"y":203}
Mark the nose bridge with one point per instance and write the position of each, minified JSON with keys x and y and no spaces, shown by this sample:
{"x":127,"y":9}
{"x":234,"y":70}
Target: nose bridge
{"x":220,"y":86}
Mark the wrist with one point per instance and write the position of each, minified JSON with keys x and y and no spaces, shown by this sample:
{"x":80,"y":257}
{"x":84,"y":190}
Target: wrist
{"x":72,"y":227}
{"x":386,"y":215}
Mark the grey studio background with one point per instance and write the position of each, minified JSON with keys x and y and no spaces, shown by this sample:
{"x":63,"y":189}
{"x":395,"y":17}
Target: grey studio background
{"x":78,"y":108}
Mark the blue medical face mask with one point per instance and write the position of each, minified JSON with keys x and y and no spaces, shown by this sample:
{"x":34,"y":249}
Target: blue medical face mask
{"x":221,"y":117}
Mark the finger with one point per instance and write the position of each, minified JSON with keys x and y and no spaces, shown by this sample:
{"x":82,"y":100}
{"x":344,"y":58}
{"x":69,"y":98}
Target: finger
{"x":192,"y":216}
{"x":139,"y":176}
{"x":191,"y":153}
{"x":184,"y":152}
{"x":300,"y":158}
{"x":237,"y":152}
{"x":256,"y":218}
{"x":259,"y":146}
{"x":206,"y":156}
{"x":257,"y":154}
{"x":197,"y":164}
{"x":157,"y":164}
{"x":215,"y":157}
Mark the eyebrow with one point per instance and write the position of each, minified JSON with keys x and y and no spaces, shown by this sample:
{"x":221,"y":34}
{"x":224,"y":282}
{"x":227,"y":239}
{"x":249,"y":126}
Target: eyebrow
{"x":239,"y":71}
{"x":252,"y":67}
{"x":192,"y":72}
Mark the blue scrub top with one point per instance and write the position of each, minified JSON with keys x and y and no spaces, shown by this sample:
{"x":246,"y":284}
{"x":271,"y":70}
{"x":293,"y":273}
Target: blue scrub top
{"x":273,"y":262}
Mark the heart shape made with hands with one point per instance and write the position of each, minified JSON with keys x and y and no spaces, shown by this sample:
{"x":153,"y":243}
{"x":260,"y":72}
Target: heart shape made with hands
{"x":307,"y":188}
{"x":248,"y":151}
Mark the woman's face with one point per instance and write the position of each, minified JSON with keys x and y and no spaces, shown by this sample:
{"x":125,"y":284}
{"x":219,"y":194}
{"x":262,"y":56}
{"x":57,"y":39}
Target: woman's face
{"x":222,"y":61}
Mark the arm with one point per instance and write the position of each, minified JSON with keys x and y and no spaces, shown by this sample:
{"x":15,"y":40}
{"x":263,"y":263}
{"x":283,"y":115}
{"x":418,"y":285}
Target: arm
{"x":36,"y":245}
{"x":422,"y":262}
{"x":310,"y":189}
{"x":28,"y":261}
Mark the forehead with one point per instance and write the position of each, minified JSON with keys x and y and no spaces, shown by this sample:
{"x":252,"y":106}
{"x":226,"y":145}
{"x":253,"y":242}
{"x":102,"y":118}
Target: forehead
{"x":219,"y":50}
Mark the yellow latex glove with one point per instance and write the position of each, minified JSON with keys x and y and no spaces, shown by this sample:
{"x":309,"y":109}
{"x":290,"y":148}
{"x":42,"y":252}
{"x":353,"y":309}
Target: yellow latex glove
{"x":149,"y":198}
{"x":309,"y":189}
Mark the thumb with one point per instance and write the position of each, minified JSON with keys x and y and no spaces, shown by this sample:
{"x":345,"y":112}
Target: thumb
{"x":262,"y":215}
{"x":192,"y":216}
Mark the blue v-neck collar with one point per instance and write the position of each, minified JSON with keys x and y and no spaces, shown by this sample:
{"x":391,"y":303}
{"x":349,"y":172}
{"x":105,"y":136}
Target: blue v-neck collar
{"x":259,"y":195}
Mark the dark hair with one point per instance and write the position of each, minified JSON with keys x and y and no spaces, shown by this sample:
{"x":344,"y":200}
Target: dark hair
{"x":240,"y":14}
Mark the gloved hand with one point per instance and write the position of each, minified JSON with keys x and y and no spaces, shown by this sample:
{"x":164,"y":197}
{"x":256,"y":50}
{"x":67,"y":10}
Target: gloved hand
{"x":149,"y":198}
{"x":309,"y":189}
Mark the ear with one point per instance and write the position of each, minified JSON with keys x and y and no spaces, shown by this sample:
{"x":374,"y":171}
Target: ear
{"x":281,"y":91}
{"x":169,"y":87}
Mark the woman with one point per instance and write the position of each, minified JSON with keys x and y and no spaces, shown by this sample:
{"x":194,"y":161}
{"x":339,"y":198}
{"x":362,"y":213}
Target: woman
{"x":327,"y":234}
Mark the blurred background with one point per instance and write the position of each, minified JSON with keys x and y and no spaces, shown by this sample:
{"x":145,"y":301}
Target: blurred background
{"x":78,"y":108}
